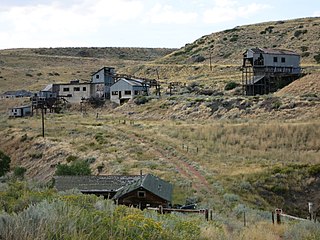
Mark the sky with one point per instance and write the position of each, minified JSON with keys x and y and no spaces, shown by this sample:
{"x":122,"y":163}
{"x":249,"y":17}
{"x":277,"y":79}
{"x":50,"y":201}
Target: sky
{"x":134,"y":23}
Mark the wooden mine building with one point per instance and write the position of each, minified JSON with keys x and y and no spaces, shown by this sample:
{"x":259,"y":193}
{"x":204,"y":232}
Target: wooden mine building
{"x":267,"y":70}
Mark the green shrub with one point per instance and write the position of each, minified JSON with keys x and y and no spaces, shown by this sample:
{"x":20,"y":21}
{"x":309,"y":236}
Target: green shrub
{"x":24,"y":138}
{"x":314,"y":170}
{"x":4,"y":164}
{"x":90,"y":160}
{"x":36,"y":155}
{"x":276,"y":104}
{"x":71,"y":158}
{"x":234,"y":38}
{"x":298,"y":33}
{"x":305,"y":54}
{"x":19,"y":172}
{"x":317,"y":57}
{"x":75,"y":168}
{"x":230,"y":85}
{"x":304,"y":48}
{"x":141,"y":100}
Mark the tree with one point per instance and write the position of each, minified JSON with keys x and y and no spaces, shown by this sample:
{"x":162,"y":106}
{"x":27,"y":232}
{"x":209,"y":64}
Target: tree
{"x":4,"y":164}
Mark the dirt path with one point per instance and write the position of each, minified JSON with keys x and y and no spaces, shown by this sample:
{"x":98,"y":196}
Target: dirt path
{"x":184,"y":168}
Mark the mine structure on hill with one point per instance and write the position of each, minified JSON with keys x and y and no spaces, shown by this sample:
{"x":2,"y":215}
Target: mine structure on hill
{"x":267,"y":70}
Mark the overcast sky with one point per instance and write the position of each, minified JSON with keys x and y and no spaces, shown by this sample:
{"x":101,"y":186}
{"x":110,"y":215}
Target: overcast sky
{"x":134,"y":23}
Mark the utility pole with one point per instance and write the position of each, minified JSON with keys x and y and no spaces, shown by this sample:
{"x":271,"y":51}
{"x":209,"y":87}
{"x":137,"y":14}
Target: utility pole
{"x":210,"y":64}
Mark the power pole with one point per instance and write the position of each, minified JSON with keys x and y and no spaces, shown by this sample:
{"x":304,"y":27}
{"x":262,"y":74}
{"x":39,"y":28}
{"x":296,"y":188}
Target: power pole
{"x":210,"y":61}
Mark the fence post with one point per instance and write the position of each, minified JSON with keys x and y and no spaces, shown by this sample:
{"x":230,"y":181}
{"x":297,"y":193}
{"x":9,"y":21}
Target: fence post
{"x":278,"y":212}
{"x":272,"y":217}
{"x":206,"y":214}
{"x":310,"y":205}
{"x":161,"y":209}
{"x":244,"y":219}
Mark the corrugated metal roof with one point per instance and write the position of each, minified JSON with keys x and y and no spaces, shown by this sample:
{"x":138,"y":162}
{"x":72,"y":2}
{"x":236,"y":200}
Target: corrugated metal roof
{"x":48,"y":88}
{"x":273,"y":51}
{"x":133,"y":82}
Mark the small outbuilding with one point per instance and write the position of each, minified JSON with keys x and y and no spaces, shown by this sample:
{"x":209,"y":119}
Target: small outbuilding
{"x":125,"y":89}
{"x":20,"y":111}
{"x":138,"y":190}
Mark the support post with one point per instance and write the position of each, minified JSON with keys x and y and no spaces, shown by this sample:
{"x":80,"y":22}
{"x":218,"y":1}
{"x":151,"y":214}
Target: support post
{"x":244,"y":219}
{"x":42,"y":118}
{"x":278,"y":212}
{"x":206,"y":213}
{"x":310,"y":205}
{"x":272,"y":217}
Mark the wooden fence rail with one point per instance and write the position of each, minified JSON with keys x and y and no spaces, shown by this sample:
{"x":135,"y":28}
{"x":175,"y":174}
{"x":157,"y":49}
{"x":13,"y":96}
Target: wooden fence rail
{"x":206,"y":212}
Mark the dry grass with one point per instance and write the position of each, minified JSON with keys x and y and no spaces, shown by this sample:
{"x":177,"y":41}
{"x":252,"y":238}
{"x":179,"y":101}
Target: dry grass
{"x":308,"y":85}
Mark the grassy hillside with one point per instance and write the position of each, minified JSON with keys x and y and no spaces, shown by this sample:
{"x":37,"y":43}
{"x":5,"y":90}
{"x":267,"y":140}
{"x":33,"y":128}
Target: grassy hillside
{"x":34,"y":68}
{"x":301,"y":35}
{"x":218,"y":148}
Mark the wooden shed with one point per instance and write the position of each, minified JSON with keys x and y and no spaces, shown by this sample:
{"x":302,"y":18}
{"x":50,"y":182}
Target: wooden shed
{"x":20,"y":111}
{"x":135,"y":190}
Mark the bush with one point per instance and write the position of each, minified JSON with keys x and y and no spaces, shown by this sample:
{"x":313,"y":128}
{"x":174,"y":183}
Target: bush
{"x":230,"y":86}
{"x":234,"y":38}
{"x":314,"y":170}
{"x":71,"y":158}
{"x":197,"y":58}
{"x":19,"y":172}
{"x":304,"y":48}
{"x":305,"y":54}
{"x":298,"y":33}
{"x":76,"y":168}
{"x":141,"y":100}
{"x":317,"y":58}
{"x":96,"y":102}
{"x":4,"y":164}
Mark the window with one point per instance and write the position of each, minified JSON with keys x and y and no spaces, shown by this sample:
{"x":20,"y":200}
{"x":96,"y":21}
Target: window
{"x":84,"y":89}
{"x":66,"y":89}
{"x":114,"y":92}
{"x":141,"y":194}
{"x":76,"y":89}
{"x":283,"y":60}
{"x":275,"y":59}
{"x":127,"y":92}
{"x":136,"y":92}
{"x":97,"y":76}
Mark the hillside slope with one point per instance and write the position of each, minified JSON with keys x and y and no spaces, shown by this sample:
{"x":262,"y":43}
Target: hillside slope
{"x":301,"y":35}
{"x":307,"y":85}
